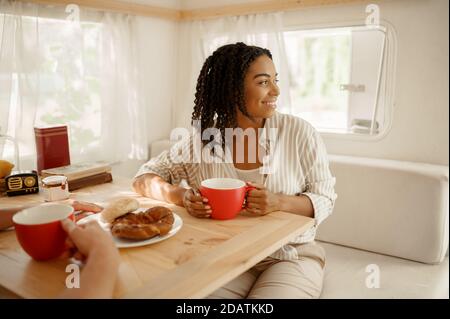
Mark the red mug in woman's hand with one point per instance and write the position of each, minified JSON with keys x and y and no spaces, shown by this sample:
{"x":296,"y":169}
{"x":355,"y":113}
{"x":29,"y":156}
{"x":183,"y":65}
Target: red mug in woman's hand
{"x":225,"y":196}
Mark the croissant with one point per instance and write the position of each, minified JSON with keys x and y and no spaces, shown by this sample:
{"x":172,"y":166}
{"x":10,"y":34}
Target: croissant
{"x":153,"y":222}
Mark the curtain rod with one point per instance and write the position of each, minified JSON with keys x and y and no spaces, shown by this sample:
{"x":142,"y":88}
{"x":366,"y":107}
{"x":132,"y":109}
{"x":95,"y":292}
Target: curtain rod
{"x":197,"y":14}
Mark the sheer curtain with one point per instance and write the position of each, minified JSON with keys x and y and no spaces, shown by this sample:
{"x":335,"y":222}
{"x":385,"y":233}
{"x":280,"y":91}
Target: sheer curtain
{"x":19,"y":61}
{"x":56,"y":70}
{"x":199,"y":39}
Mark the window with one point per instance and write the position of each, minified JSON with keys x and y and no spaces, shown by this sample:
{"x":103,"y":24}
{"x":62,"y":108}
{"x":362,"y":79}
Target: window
{"x":337,"y":79}
{"x":69,"y":81}
{"x":59,"y":83}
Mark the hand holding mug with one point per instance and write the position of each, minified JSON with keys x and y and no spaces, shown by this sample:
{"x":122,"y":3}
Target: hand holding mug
{"x":225,"y":196}
{"x":260,"y":201}
{"x":196,"y":205}
{"x":83,"y":240}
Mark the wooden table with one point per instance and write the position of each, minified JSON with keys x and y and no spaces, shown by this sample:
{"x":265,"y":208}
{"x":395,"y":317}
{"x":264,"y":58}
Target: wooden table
{"x":203,"y":256}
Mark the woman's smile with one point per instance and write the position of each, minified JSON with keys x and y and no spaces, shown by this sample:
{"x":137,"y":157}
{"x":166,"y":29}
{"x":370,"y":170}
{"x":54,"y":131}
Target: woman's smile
{"x":272,"y":104}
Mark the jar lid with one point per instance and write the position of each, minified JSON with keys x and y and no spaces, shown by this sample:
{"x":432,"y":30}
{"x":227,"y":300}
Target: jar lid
{"x":55,"y":180}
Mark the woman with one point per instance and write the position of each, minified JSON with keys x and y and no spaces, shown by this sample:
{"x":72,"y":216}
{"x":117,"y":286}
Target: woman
{"x":237,"y":88}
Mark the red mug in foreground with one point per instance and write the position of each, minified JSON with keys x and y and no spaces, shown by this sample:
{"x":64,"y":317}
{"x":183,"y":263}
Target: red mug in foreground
{"x":225,"y":196}
{"x":39,"y":230}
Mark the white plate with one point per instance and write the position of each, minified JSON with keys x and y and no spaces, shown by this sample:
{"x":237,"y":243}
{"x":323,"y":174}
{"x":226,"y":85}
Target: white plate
{"x":127,"y":243}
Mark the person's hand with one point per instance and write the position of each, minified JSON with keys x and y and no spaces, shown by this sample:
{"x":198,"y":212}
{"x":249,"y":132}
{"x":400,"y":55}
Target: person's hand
{"x":260,"y":201}
{"x":84,"y":209}
{"x":196,"y":205}
{"x":84,"y":240}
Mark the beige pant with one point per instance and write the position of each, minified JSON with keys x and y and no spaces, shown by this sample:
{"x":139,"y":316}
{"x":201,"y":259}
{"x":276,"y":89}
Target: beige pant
{"x":273,"y":278}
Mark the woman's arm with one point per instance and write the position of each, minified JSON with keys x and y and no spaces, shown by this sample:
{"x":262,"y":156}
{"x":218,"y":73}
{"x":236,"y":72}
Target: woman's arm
{"x":153,"y":186}
{"x":319,"y":180}
{"x":261,"y":202}
{"x":300,"y":205}
{"x":160,"y":176}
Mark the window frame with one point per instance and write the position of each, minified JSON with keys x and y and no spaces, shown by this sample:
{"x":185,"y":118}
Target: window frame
{"x":387,"y":76}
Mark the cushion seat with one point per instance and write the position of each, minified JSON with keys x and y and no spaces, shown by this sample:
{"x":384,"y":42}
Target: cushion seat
{"x":346,"y":275}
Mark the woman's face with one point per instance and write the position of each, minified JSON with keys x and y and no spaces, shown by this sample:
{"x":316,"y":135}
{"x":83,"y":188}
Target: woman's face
{"x":260,"y":88}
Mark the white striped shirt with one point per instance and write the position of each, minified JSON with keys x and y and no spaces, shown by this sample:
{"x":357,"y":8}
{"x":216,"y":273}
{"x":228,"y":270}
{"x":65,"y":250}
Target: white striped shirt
{"x":251,"y":175}
{"x":298,"y":165}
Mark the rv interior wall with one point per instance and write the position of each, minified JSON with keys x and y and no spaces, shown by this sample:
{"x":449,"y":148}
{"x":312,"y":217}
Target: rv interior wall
{"x":419,"y":131}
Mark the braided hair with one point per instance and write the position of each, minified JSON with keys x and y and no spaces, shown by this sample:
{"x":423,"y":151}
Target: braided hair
{"x":220,"y":86}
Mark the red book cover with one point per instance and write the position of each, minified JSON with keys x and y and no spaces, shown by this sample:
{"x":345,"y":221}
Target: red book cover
{"x":52,"y":147}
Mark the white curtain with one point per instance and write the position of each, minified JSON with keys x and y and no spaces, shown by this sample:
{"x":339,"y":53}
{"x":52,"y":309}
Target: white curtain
{"x":58,"y":70}
{"x":199,"y":39}
{"x":19,"y":60}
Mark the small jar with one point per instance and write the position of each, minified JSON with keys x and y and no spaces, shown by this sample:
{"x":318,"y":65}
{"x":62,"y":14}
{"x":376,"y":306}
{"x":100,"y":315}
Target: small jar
{"x":55,"y":188}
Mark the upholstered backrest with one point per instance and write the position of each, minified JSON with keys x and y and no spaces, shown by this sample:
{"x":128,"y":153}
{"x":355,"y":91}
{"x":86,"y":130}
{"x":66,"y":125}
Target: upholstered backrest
{"x":390,"y":207}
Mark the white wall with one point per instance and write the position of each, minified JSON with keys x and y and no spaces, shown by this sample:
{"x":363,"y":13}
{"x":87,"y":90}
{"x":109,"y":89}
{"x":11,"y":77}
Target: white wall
{"x":420,"y":120}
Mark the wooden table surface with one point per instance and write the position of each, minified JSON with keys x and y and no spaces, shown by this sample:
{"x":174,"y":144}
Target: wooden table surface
{"x":203,"y":256}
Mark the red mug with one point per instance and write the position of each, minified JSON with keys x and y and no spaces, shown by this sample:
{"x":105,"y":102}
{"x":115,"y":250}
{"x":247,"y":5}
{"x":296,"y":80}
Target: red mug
{"x":39,"y":230}
{"x":225,"y":196}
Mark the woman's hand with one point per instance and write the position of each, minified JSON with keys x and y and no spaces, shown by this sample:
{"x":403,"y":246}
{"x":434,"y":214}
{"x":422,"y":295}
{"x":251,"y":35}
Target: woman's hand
{"x":84,"y":209}
{"x":87,"y":239}
{"x":196,"y":205}
{"x":260,"y":201}
{"x":90,"y":243}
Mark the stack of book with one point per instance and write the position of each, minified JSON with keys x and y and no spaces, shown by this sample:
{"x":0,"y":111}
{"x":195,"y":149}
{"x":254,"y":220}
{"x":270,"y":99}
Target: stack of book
{"x":82,"y":174}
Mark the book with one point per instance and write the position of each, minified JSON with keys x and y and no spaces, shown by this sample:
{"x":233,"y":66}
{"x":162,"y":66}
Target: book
{"x":92,"y":180}
{"x":77,"y":171}
{"x":52,"y":147}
